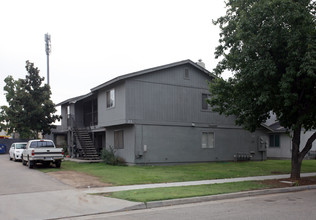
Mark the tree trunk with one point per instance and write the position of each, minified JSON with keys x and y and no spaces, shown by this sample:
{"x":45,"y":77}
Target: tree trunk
{"x":297,"y":156}
{"x":296,"y":159}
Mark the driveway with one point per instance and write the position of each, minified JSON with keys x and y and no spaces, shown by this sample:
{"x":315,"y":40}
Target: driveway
{"x":30,"y":194}
{"x":16,"y":179}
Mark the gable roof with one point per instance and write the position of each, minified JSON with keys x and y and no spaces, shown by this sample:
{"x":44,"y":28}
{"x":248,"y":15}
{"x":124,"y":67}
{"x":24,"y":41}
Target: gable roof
{"x":75,"y":99}
{"x":138,"y":73}
{"x":275,"y":127}
{"x":150,"y":70}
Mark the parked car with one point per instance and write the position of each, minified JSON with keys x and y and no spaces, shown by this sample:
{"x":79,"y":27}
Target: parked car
{"x":16,"y":150}
{"x":42,"y":151}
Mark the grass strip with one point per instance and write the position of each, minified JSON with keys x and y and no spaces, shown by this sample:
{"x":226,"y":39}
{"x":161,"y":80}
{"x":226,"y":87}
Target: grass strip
{"x":129,"y":175}
{"x":166,"y":193}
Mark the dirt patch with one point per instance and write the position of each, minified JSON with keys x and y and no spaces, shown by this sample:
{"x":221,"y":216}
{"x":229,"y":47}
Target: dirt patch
{"x":279,"y":183}
{"x":77,"y":179}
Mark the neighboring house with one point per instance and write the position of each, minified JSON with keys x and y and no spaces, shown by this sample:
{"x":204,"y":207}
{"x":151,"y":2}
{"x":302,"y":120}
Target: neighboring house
{"x":158,"y":115}
{"x":280,"y":140}
{"x":3,"y":134}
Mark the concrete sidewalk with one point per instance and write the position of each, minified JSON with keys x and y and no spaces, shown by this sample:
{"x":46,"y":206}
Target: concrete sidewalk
{"x":189,"y":183}
{"x":106,"y":205}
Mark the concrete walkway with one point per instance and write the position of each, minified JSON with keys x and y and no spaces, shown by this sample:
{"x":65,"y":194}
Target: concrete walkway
{"x":122,"y":205}
{"x":189,"y":183}
{"x":106,"y":204}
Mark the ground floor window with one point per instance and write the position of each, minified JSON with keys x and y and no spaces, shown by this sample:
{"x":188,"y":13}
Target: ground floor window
{"x":274,"y":140}
{"x":208,"y":140}
{"x":119,"y":139}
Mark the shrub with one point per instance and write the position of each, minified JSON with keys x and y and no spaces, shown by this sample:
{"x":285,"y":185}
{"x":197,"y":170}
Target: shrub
{"x":109,"y":157}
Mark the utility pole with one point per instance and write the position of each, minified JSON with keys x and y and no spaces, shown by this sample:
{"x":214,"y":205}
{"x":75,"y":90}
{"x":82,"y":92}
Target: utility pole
{"x":48,"y":50}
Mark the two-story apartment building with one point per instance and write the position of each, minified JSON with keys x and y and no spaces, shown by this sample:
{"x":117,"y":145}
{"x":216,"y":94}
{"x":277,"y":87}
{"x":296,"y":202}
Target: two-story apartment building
{"x":160,"y":115}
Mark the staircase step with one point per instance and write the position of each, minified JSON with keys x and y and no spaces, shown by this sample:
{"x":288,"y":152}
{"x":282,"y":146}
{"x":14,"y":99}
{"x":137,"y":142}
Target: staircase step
{"x":89,"y":151}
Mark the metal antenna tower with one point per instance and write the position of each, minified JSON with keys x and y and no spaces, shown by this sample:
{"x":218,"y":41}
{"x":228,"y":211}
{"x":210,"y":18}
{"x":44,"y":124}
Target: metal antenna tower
{"x":48,"y":50}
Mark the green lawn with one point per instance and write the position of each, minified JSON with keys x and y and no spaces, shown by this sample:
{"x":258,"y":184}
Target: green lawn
{"x":146,"y":195}
{"x":128,"y":175}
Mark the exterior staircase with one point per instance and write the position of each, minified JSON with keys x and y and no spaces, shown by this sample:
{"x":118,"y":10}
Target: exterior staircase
{"x":86,"y":144}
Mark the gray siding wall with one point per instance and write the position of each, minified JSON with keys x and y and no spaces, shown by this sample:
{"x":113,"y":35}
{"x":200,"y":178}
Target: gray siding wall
{"x":64,"y":117}
{"x":115,"y":115}
{"x":285,"y":149}
{"x":74,"y":111}
{"x":174,"y":144}
{"x":128,"y":152}
{"x":166,"y":96}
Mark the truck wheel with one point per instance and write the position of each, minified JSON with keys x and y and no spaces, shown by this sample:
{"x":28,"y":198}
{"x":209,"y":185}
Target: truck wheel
{"x":58,"y":163}
{"x":23,"y":162}
{"x":30,"y":164}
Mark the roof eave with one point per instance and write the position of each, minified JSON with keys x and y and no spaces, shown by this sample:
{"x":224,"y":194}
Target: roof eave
{"x":126,"y":76}
{"x":74,"y":100}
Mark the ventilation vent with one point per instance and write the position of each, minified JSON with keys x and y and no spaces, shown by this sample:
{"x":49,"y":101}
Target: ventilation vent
{"x":186,"y":74}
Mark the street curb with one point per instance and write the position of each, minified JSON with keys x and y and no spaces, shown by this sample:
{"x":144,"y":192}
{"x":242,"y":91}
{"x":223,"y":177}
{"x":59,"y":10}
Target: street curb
{"x":172,"y":202}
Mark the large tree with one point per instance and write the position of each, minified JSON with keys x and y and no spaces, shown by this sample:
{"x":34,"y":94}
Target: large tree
{"x":270,"y":48}
{"x":30,"y":109}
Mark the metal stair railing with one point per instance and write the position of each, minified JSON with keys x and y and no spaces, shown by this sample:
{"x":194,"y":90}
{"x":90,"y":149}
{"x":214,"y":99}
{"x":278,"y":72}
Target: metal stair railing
{"x":86,"y":144}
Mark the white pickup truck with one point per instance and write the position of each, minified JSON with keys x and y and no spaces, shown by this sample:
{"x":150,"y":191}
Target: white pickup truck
{"x":42,"y":151}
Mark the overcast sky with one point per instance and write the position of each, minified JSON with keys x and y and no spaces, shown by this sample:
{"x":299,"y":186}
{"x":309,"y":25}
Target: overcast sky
{"x":94,"y":41}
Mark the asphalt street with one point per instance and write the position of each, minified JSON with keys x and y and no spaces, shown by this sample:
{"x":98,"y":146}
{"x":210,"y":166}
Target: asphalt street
{"x":285,"y":206}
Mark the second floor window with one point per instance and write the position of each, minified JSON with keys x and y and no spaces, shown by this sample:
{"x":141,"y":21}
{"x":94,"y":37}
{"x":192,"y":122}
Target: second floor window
{"x":110,"y":98}
{"x":68,"y":111}
{"x":205,"y":105}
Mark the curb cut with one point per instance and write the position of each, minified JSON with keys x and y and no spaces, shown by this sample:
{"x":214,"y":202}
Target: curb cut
{"x":172,"y":202}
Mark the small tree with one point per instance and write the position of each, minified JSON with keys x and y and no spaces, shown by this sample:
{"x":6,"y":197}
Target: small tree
{"x":270,"y":47}
{"x":30,"y":109}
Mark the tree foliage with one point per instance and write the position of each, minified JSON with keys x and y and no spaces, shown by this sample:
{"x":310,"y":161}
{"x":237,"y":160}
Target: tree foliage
{"x":270,"y":47}
{"x":30,"y":109}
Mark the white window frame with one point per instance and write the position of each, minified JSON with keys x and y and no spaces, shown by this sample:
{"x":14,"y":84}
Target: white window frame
{"x":208,"y":140}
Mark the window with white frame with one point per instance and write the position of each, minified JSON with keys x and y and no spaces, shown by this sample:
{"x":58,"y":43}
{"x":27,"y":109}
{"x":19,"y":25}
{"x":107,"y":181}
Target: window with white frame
{"x":110,"y":98}
{"x":208,"y":140}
